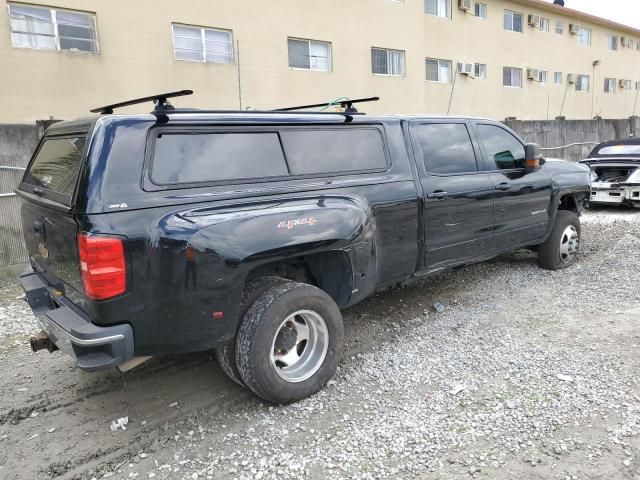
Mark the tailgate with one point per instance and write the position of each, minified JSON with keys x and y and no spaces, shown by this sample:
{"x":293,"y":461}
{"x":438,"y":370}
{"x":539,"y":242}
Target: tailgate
{"x":48,"y":224}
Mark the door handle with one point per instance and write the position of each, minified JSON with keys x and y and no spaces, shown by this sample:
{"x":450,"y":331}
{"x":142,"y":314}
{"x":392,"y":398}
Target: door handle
{"x":438,"y":195}
{"x":502,"y":186}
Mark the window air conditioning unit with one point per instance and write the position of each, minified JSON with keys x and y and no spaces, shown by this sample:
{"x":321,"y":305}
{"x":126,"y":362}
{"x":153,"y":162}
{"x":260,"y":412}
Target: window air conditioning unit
{"x":574,"y":28}
{"x":572,"y":78}
{"x":626,"y":84}
{"x":466,"y":69}
{"x":533,"y":74}
{"x":464,"y":5}
{"x":534,"y":21}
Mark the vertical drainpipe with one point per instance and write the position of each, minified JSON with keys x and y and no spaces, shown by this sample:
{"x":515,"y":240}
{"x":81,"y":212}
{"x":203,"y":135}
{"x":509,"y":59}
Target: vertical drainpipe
{"x":593,"y":94}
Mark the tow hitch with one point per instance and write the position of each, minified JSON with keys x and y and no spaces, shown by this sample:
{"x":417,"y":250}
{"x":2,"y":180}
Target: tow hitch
{"x":42,"y":341}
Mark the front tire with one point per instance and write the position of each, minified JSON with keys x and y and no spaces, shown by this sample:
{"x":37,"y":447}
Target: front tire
{"x":561,"y":248}
{"x":289,"y":342}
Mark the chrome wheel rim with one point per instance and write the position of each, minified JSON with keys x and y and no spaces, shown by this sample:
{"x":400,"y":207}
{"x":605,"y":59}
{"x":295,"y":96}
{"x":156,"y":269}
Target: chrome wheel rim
{"x":299,"y":346}
{"x":569,"y":244}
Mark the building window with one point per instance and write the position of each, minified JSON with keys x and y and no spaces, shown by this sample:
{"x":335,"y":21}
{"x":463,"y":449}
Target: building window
{"x":202,"y":44}
{"x":309,"y":55}
{"x":480,"y":70}
{"x":638,"y":86}
{"x":582,"y":83}
{"x":627,"y":42}
{"x":612,"y":42}
{"x":438,"y":8}
{"x":560,"y":28}
{"x":43,"y":28}
{"x":512,"y":77}
{"x":557,"y":78}
{"x":584,"y":36}
{"x":609,"y":85}
{"x":544,"y":24}
{"x":512,"y":21}
{"x":543,"y":77}
{"x":387,"y":62}
{"x":438,"y":70}
{"x":481,"y":10}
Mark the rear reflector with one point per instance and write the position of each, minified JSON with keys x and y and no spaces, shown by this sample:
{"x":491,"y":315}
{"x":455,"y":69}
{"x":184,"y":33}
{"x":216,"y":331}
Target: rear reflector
{"x":102,"y":265}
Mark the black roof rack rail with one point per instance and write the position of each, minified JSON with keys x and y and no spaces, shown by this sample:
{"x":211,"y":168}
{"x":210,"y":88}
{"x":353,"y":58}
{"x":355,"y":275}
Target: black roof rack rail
{"x":160,"y":101}
{"x":347,"y":104}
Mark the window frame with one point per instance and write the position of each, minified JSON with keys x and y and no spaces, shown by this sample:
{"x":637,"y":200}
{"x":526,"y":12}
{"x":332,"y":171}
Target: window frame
{"x":545,"y":74}
{"x":578,"y":82}
{"x":481,"y":5}
{"x":609,"y":86}
{"x":417,"y":147}
{"x":521,"y":77}
{"x":309,"y":42}
{"x":545,"y":24}
{"x":436,"y":15}
{"x":580,"y":36}
{"x":612,"y":42}
{"x":485,"y":156}
{"x":555,"y":78}
{"x":476,"y":70}
{"x":150,"y":186}
{"x":513,"y":13}
{"x":388,"y":50}
{"x":559,"y":28}
{"x":439,"y":60}
{"x":56,"y":35}
{"x":203,"y":43}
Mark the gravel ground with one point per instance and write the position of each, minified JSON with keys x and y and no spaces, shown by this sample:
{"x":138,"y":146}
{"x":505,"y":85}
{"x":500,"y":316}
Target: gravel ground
{"x":525,"y":374}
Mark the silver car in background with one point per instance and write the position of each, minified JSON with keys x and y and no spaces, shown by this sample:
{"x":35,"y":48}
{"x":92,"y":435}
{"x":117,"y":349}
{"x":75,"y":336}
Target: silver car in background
{"x":615,"y":172}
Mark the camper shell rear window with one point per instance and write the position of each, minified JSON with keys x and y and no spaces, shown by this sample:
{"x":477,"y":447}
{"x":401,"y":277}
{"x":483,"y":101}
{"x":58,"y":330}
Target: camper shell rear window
{"x":236,"y":156}
{"x":55,"y":167}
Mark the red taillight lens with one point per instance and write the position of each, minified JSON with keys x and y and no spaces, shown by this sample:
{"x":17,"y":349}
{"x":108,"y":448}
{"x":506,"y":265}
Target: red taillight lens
{"x":102,"y":265}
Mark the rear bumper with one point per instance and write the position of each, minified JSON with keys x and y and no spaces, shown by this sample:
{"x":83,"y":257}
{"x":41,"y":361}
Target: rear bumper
{"x":92,"y":347}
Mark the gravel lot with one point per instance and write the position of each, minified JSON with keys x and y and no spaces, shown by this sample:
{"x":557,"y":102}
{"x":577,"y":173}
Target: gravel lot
{"x":525,"y":374}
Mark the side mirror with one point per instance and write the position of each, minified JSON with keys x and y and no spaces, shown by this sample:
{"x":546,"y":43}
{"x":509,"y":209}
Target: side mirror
{"x":532,"y":157}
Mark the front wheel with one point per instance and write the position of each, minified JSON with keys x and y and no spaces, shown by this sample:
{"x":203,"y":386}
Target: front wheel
{"x":289,"y":342}
{"x":561,"y":248}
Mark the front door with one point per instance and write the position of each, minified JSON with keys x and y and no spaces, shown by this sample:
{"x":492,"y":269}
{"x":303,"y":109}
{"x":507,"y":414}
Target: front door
{"x":522,"y":199}
{"x":457,"y":193}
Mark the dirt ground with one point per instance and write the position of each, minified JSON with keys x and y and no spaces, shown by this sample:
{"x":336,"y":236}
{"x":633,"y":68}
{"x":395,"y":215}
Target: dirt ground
{"x":525,"y":374}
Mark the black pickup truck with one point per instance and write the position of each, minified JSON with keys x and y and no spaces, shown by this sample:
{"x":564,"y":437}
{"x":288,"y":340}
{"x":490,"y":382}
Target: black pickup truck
{"x":246,"y":232}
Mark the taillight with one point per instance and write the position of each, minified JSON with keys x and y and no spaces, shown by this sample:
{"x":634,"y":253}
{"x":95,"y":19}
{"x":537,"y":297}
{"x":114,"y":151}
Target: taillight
{"x":102,"y":265}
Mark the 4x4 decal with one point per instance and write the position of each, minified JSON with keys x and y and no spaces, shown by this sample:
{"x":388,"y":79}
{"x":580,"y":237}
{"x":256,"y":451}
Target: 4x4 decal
{"x":289,"y":224}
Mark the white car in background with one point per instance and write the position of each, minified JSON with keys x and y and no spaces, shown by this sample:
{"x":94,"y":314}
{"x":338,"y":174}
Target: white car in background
{"x":615,"y":172}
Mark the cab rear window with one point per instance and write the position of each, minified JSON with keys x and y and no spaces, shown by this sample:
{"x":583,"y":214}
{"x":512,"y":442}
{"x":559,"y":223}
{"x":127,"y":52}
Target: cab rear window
{"x":56,"y":165}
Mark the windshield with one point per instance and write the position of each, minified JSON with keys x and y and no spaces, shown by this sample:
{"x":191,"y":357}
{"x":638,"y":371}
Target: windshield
{"x":56,"y":165}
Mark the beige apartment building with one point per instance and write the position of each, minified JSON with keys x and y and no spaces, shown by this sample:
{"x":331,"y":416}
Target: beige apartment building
{"x":494,"y":58}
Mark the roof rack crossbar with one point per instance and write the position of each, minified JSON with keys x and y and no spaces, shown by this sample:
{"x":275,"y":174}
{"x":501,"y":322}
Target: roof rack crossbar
{"x":346,"y":104}
{"x":160,"y":100}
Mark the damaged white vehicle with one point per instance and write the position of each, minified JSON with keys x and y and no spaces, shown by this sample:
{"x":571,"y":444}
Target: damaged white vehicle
{"x":615,"y":173}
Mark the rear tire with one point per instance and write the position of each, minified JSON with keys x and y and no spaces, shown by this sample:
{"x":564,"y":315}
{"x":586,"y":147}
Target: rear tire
{"x":561,"y":248}
{"x":226,"y":353}
{"x":289,"y":342}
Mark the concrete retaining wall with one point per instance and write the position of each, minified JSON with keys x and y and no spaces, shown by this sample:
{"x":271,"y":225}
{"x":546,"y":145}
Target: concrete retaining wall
{"x":561,"y":132}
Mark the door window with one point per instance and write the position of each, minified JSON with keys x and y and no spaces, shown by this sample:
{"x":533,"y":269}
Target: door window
{"x":504,"y":151}
{"x":446,"y":148}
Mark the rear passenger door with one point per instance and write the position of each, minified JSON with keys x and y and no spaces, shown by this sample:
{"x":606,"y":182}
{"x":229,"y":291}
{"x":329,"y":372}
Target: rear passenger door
{"x":457,"y":193}
{"x":522,"y":199}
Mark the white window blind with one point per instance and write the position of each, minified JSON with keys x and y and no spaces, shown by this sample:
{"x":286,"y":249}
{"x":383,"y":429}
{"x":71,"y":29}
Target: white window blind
{"x":202,"y":44}
{"x":309,"y":55}
{"x":387,"y":62}
{"x":438,"y":70}
{"x":44,"y":28}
